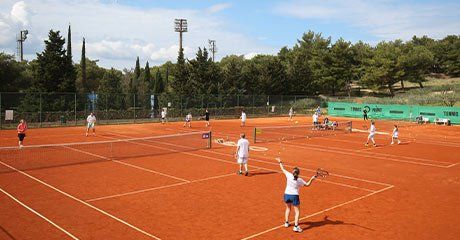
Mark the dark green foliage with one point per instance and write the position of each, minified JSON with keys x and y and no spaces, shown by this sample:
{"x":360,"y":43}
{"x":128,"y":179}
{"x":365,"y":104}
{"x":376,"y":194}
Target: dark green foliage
{"x":109,"y":91}
{"x":13,"y":76}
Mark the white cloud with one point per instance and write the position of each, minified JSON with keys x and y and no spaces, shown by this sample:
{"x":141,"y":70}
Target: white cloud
{"x":116,"y":34}
{"x":219,"y":7}
{"x":385,"y":19}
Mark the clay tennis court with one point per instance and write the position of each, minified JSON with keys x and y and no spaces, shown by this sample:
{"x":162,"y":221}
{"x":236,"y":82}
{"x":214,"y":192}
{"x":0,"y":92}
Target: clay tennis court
{"x":175,"y":187}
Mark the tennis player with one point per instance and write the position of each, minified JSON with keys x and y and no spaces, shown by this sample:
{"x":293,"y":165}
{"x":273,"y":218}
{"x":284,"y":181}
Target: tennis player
{"x":291,"y":113}
{"x":242,"y":154}
{"x":206,"y":118}
{"x":91,"y":123}
{"x":371,"y":134}
{"x":291,"y":194}
{"x":243,"y":118}
{"x":395,"y":135}
{"x":365,"y":115}
{"x":188,"y":120}
{"x":163,"y":116}
{"x":315,"y":120}
{"x":22,"y":128}
{"x":318,"y":111}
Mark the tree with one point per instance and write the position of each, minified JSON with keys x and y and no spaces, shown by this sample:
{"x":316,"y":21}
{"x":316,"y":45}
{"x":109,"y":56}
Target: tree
{"x":83,"y":68}
{"x":180,"y":84}
{"x":233,"y":81}
{"x":384,"y":69}
{"x":203,"y":73}
{"x":416,"y":62}
{"x":69,"y":44}
{"x":13,"y":76}
{"x":271,"y":75}
{"x":109,"y":96}
{"x":341,"y":68}
{"x":158,"y":86}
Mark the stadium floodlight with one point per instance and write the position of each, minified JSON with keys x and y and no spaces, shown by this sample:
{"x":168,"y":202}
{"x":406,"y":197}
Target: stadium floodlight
{"x":180,"y":26}
{"x":212,"y":48}
{"x":20,"y":44}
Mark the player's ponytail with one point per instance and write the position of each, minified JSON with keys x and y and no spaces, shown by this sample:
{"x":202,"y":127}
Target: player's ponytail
{"x":296,"y":173}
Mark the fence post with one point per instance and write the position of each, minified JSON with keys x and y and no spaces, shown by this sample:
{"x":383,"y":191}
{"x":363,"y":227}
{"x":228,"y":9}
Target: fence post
{"x":75,"y":107}
{"x":1,"y":119}
{"x":107,"y":108}
{"x":40,"y":110}
{"x":134,"y":107}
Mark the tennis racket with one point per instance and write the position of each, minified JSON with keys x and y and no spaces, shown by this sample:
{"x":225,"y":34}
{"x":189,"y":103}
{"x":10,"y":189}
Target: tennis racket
{"x":321,"y":173}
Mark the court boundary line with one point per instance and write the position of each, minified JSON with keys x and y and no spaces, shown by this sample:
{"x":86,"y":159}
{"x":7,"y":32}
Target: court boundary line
{"x":127,"y":164}
{"x":81,"y":201}
{"x":252,"y":159}
{"x":322,"y":211}
{"x":38,"y":214}
{"x":157,"y":188}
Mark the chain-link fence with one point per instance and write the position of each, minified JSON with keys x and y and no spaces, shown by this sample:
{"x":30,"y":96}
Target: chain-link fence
{"x":70,"y":109}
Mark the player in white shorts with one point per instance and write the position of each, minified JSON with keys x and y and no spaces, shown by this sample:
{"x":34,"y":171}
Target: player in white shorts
{"x":395,"y":135}
{"x":163,"y":116}
{"x":188,"y":120}
{"x":91,"y":123}
{"x":243,"y":118}
{"x":371,"y":134}
{"x":315,"y":120}
{"x":242,"y":154}
{"x":291,"y":113}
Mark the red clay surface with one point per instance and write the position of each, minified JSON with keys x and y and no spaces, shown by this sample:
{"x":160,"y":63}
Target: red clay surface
{"x":408,"y":191}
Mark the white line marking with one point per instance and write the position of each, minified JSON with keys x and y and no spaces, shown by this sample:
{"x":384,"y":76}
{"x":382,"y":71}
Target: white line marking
{"x":127,"y":164}
{"x":80,"y":201}
{"x":157,"y":188}
{"x":320,"y":212}
{"x":38,"y":214}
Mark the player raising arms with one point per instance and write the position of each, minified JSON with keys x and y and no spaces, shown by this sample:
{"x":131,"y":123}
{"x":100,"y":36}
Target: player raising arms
{"x":188,"y":120}
{"x":371,"y":135}
{"x":22,"y":128}
{"x":395,"y":135}
{"x":243,"y":118}
{"x":291,"y":194}
{"x":90,"y":123}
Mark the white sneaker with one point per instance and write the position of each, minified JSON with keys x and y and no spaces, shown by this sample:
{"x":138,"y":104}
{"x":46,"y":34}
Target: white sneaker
{"x":297,"y":229}
{"x":286,"y":224}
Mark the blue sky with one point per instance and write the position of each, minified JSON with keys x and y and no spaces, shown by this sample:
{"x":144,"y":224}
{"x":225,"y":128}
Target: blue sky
{"x":117,"y":31}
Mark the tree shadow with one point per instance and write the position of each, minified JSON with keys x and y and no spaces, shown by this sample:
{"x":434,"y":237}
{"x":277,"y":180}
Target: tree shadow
{"x":327,"y":221}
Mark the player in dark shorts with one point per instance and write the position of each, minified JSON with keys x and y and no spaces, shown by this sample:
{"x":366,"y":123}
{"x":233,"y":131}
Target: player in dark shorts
{"x":365,"y":115}
{"x":206,"y":118}
{"x":22,"y":128}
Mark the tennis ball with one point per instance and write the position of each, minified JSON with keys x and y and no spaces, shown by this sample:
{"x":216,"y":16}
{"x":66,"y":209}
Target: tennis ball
{"x":296,"y":122}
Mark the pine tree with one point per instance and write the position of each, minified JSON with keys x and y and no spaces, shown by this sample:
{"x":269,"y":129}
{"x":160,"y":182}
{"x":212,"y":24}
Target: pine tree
{"x":83,"y":67}
{"x":69,"y":44}
{"x":180,"y":83}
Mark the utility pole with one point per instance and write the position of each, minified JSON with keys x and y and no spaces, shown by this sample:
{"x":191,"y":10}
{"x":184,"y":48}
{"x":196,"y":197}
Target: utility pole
{"x":212,"y":48}
{"x":20,"y":44}
{"x":180,"y":26}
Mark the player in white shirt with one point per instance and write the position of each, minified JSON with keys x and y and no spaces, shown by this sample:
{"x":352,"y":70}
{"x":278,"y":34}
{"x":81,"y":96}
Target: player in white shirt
{"x":243,"y":118}
{"x":91,"y":123}
{"x":188,"y":120}
{"x":291,"y":113}
{"x":291,"y":194}
{"x":315,"y":120}
{"x":395,"y":135}
{"x":163,"y":116}
{"x":371,"y":134}
{"x":242,"y":154}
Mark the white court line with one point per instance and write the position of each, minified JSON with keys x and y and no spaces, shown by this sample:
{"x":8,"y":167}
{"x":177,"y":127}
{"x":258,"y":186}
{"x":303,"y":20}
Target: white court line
{"x":354,"y":153}
{"x":272,"y":163}
{"x":127,"y":164}
{"x":157,"y":188}
{"x":80,"y":201}
{"x":320,"y":212}
{"x":38,"y":214}
{"x":213,"y":158}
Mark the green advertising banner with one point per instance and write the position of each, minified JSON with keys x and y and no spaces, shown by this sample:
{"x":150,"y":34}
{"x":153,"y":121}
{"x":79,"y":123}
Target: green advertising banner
{"x":404,"y":112}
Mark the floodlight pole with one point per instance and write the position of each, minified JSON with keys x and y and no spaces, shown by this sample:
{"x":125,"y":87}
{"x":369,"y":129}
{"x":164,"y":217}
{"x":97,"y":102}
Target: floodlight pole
{"x":212,"y":48}
{"x":20,"y":46}
{"x":180,"y":26}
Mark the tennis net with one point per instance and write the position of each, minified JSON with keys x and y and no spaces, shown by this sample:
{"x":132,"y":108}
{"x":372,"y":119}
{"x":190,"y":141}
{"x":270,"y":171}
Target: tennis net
{"x":55,"y":155}
{"x":283,"y":133}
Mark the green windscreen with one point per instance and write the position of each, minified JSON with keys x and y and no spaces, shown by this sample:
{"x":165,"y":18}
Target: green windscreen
{"x":403,"y":112}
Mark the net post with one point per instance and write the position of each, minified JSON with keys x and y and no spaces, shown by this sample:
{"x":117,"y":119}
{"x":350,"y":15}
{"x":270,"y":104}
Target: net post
{"x":350,"y":124}
{"x":255,"y":135}
{"x":210,"y":140}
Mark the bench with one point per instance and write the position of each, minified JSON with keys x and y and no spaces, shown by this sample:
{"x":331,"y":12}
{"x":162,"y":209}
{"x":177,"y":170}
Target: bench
{"x":443,"y":121}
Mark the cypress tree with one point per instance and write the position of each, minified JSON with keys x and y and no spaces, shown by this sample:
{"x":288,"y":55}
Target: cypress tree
{"x":83,"y":67}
